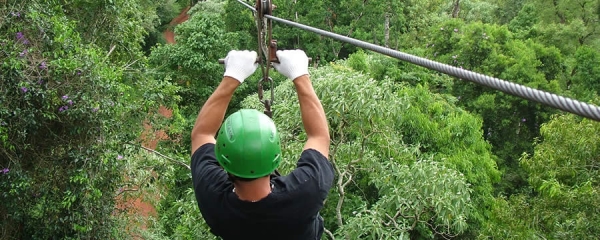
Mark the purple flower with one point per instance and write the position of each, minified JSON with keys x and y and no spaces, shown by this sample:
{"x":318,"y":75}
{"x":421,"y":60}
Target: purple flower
{"x":16,"y":14}
{"x":78,"y":73}
{"x":70,"y":102}
{"x":456,"y":30}
{"x":523,"y":120}
{"x":5,"y":171}
{"x":95,"y":109}
{"x":119,"y":157}
{"x":65,"y":97}
{"x":40,"y":82}
{"x":63,"y":108}
{"x":24,"y":89}
{"x":21,"y":38}
{"x":23,"y":53}
{"x":43,"y":66}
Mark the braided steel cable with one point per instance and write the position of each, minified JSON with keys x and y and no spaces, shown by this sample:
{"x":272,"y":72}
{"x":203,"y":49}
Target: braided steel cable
{"x":247,"y":5}
{"x":550,"y":99}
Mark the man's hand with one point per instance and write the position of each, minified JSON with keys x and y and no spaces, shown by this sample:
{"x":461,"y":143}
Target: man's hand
{"x":292,"y":63}
{"x":240,"y":64}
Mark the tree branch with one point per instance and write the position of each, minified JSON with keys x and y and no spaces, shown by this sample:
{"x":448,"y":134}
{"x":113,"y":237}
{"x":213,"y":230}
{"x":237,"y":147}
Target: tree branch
{"x":162,"y":155}
{"x":338,"y":208}
{"x":329,"y":234}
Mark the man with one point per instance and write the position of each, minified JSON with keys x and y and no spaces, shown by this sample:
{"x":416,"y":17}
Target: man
{"x":237,"y":193}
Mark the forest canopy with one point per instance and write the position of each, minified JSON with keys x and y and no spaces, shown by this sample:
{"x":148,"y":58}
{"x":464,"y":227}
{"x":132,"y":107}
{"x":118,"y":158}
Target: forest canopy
{"x":97,"y":105}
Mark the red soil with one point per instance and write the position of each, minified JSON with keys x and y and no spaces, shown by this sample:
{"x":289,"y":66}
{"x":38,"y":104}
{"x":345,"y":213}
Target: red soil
{"x":169,"y":34}
{"x":138,"y":207}
{"x":150,"y":139}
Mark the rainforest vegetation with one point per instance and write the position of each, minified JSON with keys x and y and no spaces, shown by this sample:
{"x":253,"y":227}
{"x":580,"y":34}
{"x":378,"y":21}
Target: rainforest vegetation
{"x":96,"y":109}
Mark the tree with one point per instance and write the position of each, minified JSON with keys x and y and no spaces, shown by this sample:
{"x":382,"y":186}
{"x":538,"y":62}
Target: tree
{"x":507,"y":10}
{"x":239,"y":19}
{"x":563,"y":174}
{"x":585,"y":82}
{"x":120,"y":25}
{"x":193,"y":62}
{"x":523,"y":24}
{"x":569,"y":24}
{"x":510,"y":123}
{"x":67,"y":110}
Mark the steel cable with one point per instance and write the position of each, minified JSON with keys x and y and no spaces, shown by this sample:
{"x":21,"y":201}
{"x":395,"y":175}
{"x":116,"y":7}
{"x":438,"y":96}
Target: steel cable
{"x":550,"y":99}
{"x":247,"y":5}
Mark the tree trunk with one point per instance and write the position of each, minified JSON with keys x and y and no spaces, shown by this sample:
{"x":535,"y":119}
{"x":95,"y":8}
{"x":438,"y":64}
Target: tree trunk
{"x":297,"y":35}
{"x":387,"y":30}
{"x":456,"y":9}
{"x":560,"y":15}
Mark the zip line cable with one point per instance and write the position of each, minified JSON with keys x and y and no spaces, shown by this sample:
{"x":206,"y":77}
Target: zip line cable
{"x":550,"y":99}
{"x":247,"y":5}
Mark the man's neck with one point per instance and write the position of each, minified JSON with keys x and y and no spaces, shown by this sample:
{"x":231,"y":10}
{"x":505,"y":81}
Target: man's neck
{"x":253,"y":191}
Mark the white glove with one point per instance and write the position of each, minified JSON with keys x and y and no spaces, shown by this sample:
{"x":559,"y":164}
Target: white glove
{"x":292,"y":63}
{"x":240,"y":64}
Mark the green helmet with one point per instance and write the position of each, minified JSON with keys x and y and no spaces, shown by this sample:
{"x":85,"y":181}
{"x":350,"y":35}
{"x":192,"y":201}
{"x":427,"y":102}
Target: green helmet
{"x":248,"y":144}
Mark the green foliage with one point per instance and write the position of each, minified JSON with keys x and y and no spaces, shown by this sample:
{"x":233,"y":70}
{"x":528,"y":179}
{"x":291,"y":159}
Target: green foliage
{"x":510,"y":218}
{"x":411,"y":164}
{"x":523,"y":24}
{"x":570,"y":24}
{"x":382,"y":67}
{"x":479,"y":11}
{"x":563,"y":172}
{"x":188,"y":223}
{"x":66,"y":111}
{"x":239,"y":19}
{"x":510,"y":123}
{"x":585,"y":82}
{"x":424,"y":200}
{"x":358,"y":61}
{"x":118,"y":24}
{"x":192,"y":63}
{"x":506,"y":10}
{"x":166,"y":11}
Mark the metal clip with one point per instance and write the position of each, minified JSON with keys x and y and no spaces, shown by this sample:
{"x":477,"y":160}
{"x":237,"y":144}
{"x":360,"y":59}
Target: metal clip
{"x":266,"y":102}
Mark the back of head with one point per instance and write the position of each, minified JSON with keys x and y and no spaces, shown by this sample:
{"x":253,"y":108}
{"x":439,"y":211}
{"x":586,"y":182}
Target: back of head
{"x":248,"y":145}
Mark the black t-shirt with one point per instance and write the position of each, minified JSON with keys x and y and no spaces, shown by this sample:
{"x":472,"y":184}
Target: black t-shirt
{"x":290,"y":211}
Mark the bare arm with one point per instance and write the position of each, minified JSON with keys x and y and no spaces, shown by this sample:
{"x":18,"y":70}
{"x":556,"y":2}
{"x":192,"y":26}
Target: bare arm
{"x":212,"y":113}
{"x":313,"y":116}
